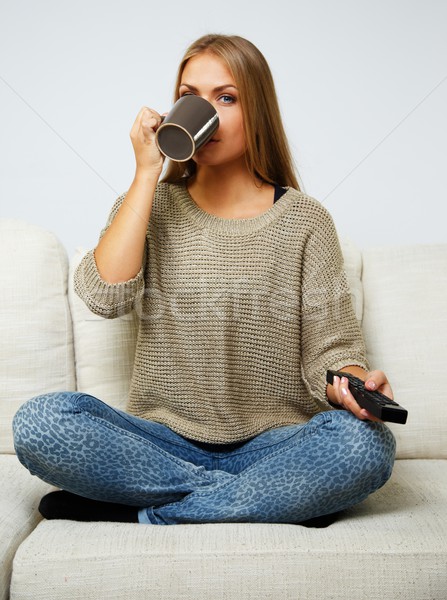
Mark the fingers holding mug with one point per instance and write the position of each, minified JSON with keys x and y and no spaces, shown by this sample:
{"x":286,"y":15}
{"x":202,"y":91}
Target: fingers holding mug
{"x":142,"y":136}
{"x":146,"y":123}
{"x":151,"y":119}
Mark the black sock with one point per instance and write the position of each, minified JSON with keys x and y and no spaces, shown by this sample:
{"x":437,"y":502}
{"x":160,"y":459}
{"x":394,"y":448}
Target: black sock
{"x":65,"y":505}
{"x":323,"y":521}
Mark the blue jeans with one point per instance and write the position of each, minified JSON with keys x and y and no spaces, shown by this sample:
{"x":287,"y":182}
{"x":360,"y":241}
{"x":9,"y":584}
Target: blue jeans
{"x":285,"y":475}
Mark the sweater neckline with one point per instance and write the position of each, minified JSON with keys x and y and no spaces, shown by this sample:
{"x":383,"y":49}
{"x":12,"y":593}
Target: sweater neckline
{"x":229,"y":227}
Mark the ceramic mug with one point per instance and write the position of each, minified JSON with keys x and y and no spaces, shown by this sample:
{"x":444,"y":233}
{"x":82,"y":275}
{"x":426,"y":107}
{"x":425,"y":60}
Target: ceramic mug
{"x":190,"y":123}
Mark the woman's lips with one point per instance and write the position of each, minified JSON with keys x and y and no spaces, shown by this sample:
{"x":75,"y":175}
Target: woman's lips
{"x":209,"y":143}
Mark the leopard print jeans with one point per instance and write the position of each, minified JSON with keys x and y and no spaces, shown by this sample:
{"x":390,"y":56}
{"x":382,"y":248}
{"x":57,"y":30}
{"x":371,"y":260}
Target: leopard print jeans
{"x":285,"y":475}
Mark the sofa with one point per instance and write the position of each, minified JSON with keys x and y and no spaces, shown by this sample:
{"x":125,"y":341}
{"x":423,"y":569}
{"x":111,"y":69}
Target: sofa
{"x":391,"y":546}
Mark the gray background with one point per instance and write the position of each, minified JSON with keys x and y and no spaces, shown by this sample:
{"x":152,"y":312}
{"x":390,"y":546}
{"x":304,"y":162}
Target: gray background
{"x":362,"y":87}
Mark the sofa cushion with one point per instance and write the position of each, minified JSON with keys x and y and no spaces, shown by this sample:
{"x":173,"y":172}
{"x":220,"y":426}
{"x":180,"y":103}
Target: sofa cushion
{"x":104,"y":348}
{"x":405,"y":326}
{"x":20,"y":494}
{"x":353,"y":267}
{"x":36,"y":352}
{"x":393,"y":545}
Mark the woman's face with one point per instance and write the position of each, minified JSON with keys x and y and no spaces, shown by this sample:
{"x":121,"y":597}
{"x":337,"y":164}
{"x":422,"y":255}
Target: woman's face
{"x":207,"y":76}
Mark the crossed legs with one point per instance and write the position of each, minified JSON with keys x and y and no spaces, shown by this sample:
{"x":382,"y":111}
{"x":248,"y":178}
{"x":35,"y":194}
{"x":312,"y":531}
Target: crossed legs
{"x":286,"y":475}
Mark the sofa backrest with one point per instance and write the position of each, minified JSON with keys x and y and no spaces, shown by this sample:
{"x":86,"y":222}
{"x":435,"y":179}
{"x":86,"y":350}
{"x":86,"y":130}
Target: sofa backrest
{"x":405,"y":328}
{"x":104,"y":348}
{"x":51,"y":342}
{"x":36,"y":349}
{"x":399,"y":296}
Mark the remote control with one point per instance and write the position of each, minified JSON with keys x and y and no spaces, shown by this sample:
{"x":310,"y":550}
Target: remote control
{"x":376,"y":403}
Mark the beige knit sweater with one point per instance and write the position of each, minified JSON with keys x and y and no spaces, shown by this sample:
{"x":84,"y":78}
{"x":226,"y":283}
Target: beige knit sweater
{"x":239,"y":318}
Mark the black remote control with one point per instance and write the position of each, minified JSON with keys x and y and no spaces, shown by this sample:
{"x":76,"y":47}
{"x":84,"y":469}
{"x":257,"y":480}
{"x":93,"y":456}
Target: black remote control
{"x":376,"y":403}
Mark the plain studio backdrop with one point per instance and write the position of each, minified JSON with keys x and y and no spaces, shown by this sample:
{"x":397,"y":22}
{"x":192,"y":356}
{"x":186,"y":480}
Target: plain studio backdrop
{"x":362,"y":88}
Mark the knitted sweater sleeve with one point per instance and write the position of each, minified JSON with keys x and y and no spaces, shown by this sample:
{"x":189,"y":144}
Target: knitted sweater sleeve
{"x":108,"y":300}
{"x":331,"y":334}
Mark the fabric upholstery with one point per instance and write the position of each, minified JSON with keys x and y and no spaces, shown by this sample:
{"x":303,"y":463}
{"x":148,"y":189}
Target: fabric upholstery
{"x":36,"y":352}
{"x":391,"y":546}
{"x":20,"y":493}
{"x":405,"y":327}
{"x":105,"y":349}
{"x":353,"y":266}
{"x":398,"y":534}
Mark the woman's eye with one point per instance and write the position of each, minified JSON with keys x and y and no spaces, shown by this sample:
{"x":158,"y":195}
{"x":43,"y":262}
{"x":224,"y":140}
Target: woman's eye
{"x":226,"y":99}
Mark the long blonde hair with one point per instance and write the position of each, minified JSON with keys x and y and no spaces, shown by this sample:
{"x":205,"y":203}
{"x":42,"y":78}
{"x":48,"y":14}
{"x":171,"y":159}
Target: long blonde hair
{"x":268,"y":154}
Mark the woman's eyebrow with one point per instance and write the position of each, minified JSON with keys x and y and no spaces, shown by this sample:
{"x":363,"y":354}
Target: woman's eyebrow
{"x":219,"y":88}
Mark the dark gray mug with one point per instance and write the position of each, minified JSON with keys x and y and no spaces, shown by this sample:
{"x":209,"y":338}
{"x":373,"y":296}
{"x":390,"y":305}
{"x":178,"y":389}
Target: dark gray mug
{"x":190,"y":123}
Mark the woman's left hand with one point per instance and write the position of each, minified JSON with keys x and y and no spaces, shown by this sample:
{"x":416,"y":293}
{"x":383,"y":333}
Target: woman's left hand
{"x":374,"y":380}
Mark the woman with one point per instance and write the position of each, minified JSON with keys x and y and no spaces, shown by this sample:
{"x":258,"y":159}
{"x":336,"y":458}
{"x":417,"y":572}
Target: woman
{"x":238,"y":280}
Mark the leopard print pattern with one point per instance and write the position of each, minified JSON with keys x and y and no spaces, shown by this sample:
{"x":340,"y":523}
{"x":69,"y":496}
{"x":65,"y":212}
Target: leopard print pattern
{"x":285,"y":475}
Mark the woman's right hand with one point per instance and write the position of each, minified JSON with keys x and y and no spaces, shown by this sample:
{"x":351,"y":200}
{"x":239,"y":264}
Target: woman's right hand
{"x":147,"y":155}
{"x":126,"y":234}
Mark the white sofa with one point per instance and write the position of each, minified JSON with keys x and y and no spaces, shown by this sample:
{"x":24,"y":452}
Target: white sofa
{"x":393,"y":545}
